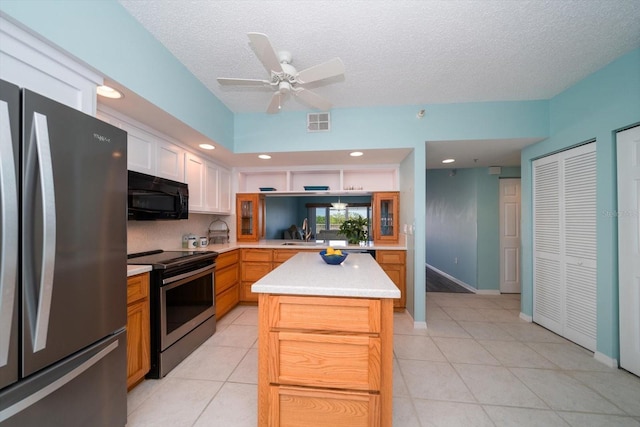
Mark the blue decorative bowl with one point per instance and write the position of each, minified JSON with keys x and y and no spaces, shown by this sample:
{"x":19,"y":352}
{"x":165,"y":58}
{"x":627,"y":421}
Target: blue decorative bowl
{"x":333,"y":259}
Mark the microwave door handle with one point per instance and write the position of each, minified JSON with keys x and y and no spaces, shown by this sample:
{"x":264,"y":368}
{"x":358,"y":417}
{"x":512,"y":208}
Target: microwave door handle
{"x":180,"y":201}
{"x":39,"y":151}
{"x":8,"y":233}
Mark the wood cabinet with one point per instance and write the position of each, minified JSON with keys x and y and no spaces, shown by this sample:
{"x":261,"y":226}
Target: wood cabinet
{"x":250,"y":216}
{"x":324,"y":361}
{"x":255,"y":264}
{"x":394,"y":263}
{"x":138,"y":334}
{"x":227,"y":282}
{"x":385,"y":217}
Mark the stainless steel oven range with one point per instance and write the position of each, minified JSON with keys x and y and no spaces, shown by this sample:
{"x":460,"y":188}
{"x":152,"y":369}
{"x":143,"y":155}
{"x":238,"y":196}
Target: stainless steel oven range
{"x":183,"y":308}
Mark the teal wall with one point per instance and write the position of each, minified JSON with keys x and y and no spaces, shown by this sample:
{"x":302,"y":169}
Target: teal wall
{"x":463,"y":222}
{"x":594,"y":108}
{"x":107,"y":38}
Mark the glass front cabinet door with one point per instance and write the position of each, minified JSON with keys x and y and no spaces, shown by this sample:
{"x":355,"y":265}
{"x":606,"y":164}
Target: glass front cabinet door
{"x":385,"y":217}
{"x":250,"y":217}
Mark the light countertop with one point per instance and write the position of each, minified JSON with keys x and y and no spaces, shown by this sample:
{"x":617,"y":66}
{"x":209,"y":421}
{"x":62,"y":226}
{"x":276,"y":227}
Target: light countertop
{"x":132,"y":270}
{"x":307,"y":274}
{"x":298,"y":244}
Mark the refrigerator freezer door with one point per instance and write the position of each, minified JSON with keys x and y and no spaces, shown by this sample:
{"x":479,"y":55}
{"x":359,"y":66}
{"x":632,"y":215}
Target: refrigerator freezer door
{"x":88,"y":389}
{"x":9,"y":240}
{"x":74,"y":231}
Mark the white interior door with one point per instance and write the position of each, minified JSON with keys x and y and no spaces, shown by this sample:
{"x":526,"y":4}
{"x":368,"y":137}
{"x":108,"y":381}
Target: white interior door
{"x":629,"y":247}
{"x":510,"y":235}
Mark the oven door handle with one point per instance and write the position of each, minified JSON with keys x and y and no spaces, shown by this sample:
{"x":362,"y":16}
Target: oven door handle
{"x":188,"y":274}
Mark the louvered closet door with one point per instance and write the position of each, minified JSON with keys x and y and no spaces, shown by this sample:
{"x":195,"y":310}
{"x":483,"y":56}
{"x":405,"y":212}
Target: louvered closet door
{"x":565,"y":244}
{"x":547,"y":295}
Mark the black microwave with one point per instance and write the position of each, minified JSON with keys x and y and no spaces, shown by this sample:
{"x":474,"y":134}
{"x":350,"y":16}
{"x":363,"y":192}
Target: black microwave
{"x":150,"y":197}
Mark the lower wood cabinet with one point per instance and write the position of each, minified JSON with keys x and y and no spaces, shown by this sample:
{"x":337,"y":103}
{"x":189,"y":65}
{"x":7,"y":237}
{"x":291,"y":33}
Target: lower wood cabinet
{"x":138,"y":324}
{"x":394,"y":263}
{"x":227,"y":282}
{"x":324,"y":361}
{"x":256,"y":263}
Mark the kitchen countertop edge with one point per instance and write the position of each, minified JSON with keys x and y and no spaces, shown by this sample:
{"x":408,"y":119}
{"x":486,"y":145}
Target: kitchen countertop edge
{"x":307,"y":274}
{"x":133,"y":270}
{"x":279,"y":244}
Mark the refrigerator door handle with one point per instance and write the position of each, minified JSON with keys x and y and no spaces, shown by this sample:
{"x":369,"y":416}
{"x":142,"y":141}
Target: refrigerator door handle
{"x":39,"y":151}
{"x":8,"y":232}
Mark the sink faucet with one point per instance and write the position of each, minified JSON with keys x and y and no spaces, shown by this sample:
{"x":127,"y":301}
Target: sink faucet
{"x":306,"y":231}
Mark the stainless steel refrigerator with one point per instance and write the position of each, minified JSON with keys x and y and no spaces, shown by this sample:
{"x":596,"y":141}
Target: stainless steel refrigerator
{"x":63,"y":257}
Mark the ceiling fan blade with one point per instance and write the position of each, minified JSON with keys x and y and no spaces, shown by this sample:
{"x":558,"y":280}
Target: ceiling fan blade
{"x":331,"y":68}
{"x":274,"y":105}
{"x":243,"y":82}
{"x":265,"y":52}
{"x":313,"y":99}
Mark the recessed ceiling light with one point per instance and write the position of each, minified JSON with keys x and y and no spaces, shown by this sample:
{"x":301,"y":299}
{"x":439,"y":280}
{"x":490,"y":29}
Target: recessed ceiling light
{"x":448,"y":160}
{"x":108,"y":92}
{"x":264,"y":156}
{"x":356,"y":154}
{"x":207,"y":146}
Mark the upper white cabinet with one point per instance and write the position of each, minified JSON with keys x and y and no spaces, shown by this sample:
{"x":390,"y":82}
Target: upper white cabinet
{"x":194,"y":174}
{"x":169,"y":161}
{"x":148,"y":151}
{"x":338,"y":179}
{"x":209,"y":186}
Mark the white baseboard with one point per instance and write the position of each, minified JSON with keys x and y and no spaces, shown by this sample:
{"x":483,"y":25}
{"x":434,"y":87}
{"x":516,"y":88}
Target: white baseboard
{"x":526,"y":317}
{"x":416,"y":325}
{"x":602,"y":358}
{"x":419,"y":325}
{"x":488,"y":292}
{"x":453,"y":279}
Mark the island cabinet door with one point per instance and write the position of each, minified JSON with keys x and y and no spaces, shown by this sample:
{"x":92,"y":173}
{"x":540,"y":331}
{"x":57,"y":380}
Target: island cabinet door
{"x":298,"y":407}
{"x":325,"y":360}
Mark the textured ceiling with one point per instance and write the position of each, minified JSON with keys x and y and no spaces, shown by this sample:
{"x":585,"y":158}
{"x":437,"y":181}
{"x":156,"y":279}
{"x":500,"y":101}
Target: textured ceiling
{"x":398,"y":52}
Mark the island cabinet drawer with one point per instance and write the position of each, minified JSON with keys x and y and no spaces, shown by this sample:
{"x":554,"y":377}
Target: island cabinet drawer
{"x":226,"y":277}
{"x":226,"y":259}
{"x":359,"y":315}
{"x":260,"y":255}
{"x":325,"y":360}
{"x":298,"y":407}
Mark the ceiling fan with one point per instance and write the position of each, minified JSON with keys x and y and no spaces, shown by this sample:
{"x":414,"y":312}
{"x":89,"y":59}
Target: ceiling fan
{"x":284,"y":78}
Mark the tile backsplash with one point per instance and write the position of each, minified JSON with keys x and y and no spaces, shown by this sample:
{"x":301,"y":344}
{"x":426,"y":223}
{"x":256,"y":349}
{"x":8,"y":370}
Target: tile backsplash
{"x":167,"y":235}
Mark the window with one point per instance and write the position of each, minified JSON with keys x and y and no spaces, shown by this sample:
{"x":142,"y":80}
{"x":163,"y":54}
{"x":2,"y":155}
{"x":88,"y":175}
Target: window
{"x":324,"y":220}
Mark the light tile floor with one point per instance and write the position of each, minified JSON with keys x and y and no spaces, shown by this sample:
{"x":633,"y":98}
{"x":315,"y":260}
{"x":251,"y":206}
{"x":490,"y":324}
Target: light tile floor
{"x":477,"y":364}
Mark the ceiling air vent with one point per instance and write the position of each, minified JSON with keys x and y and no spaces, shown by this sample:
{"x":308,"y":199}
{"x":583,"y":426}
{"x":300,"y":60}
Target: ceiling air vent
{"x":318,"y":122}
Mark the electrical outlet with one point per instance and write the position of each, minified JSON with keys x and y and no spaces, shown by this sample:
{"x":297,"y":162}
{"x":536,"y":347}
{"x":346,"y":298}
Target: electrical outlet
{"x":455,"y":260}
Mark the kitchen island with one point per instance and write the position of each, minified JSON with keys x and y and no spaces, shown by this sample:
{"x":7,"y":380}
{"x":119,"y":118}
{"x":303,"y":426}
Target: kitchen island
{"x":325,"y":347}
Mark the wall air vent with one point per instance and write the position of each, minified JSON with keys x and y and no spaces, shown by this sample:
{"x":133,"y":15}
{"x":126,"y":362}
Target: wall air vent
{"x":318,"y":122}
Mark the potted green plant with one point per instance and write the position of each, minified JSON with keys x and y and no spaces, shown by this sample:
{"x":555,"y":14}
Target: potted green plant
{"x":354,"y":229}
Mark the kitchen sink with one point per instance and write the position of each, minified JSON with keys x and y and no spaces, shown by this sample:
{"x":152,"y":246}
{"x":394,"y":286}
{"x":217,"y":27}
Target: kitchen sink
{"x":300,"y":244}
